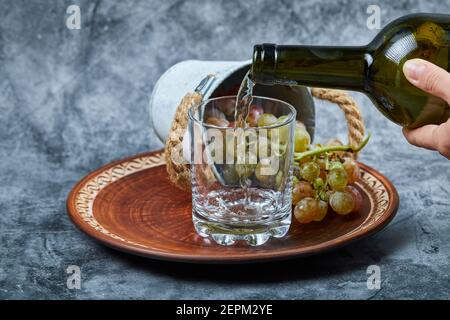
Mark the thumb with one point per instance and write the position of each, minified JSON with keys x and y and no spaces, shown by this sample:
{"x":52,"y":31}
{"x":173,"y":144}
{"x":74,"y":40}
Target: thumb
{"x":428,"y":77}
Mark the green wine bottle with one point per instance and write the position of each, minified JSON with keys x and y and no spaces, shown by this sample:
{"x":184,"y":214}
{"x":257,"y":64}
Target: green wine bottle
{"x":375,"y":69}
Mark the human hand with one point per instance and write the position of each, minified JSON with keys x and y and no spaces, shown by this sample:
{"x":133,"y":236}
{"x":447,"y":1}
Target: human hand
{"x":436,"y":81}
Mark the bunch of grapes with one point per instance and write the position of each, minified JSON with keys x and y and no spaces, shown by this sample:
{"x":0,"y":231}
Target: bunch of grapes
{"x":264,"y":156}
{"x":323,"y":174}
{"x":322,"y":179}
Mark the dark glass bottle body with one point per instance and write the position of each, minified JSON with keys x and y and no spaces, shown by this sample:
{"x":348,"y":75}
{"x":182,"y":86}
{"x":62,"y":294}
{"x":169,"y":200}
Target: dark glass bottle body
{"x":375,"y":69}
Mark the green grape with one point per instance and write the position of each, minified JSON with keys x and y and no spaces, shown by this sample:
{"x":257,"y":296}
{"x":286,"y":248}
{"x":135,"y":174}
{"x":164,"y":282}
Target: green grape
{"x":229,"y":174}
{"x":352,"y":169}
{"x":266,"y":119}
{"x":301,"y":190}
{"x":335,"y":165}
{"x":301,"y":140}
{"x":321,"y":211}
{"x":305,"y":210}
{"x":318,"y":183}
{"x":342,"y":202}
{"x":337,"y":179}
{"x":244,"y":170}
{"x":310,"y":171}
{"x":295,"y":180}
{"x":325,"y":195}
{"x":282,"y":119}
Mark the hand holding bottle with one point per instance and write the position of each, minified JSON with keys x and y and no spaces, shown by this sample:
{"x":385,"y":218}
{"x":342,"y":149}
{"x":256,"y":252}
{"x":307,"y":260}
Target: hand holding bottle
{"x":436,"y":81}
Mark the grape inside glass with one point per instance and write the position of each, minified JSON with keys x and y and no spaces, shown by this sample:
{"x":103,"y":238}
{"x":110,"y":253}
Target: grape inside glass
{"x":241,"y":177}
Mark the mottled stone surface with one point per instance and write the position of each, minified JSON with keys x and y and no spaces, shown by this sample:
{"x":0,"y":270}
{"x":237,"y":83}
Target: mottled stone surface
{"x":72,"y":100}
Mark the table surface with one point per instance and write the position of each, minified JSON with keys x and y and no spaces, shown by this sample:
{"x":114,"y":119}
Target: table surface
{"x":72,"y":100}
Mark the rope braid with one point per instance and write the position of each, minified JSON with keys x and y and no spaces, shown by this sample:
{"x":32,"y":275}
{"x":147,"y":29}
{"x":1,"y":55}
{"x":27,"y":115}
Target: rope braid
{"x":355,"y":123}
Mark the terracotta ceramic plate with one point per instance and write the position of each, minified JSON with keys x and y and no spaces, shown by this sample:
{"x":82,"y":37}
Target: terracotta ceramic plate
{"x":131,"y":206}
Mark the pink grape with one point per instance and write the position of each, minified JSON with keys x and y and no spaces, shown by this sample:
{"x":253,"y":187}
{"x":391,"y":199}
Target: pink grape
{"x":352,"y":169}
{"x":321,"y":210}
{"x":301,"y":190}
{"x":254,"y":114}
{"x":357,"y":197}
{"x":305,"y":210}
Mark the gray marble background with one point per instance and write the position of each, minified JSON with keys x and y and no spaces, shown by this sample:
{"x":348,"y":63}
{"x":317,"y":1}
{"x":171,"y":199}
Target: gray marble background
{"x":72,"y":100}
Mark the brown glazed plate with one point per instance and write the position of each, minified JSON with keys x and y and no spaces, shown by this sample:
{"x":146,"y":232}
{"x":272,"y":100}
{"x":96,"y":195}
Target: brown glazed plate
{"x":130,"y":205}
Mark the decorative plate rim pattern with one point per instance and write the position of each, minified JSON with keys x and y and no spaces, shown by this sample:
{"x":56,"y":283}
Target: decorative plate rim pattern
{"x":81,"y":200}
{"x":84,"y":201}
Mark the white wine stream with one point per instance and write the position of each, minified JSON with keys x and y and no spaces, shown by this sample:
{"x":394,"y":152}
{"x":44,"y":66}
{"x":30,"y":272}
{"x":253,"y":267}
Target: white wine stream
{"x":244,"y":100}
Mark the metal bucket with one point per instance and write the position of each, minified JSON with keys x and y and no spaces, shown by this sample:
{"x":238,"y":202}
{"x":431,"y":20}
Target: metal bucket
{"x":213,"y":79}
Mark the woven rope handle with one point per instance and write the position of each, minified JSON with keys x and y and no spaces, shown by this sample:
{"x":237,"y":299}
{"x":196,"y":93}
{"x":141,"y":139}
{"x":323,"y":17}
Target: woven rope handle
{"x":355,"y":122}
{"x":180,"y":175}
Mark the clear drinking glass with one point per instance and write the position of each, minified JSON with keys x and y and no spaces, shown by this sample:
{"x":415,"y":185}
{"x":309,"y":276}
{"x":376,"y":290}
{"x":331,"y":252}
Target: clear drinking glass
{"x":241,"y":177}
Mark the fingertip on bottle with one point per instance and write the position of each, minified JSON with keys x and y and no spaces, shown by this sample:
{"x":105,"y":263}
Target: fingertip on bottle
{"x":414,"y":69}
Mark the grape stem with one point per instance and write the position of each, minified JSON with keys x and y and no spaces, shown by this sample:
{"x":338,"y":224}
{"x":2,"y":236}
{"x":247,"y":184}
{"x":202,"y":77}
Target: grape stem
{"x":347,"y":148}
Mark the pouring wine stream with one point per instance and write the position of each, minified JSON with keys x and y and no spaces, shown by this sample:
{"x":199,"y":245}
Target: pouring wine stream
{"x":244,"y":100}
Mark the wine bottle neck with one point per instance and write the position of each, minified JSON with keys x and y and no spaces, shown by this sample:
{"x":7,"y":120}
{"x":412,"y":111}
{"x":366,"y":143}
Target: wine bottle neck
{"x":315,"y":66}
